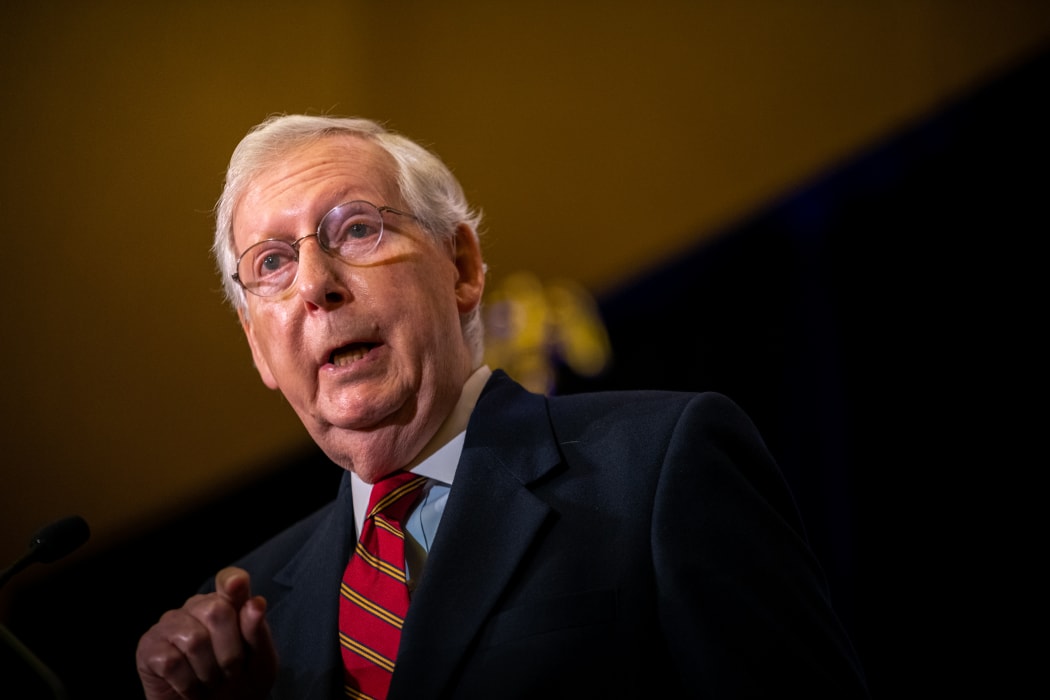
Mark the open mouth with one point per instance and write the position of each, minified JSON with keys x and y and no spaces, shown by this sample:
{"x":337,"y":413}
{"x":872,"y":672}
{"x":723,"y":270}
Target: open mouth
{"x":348,"y":354}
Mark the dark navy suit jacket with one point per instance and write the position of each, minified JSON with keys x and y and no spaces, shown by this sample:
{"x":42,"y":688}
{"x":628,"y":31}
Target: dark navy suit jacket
{"x":612,"y":545}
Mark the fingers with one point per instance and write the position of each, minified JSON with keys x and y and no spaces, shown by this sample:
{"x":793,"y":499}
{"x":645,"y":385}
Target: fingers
{"x":175,"y":658}
{"x":234,"y":585}
{"x":256,"y":634}
{"x":206,"y":644}
{"x":254,"y":630}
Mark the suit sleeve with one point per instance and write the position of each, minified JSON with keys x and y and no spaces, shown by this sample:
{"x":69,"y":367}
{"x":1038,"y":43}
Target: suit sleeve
{"x":742,"y":599}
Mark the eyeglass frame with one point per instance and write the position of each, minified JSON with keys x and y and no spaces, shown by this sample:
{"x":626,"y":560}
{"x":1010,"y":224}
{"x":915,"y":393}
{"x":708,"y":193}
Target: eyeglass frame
{"x":294,"y":245}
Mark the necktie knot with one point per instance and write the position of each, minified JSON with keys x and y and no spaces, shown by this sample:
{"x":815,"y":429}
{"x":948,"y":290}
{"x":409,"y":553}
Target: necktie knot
{"x":395,"y":495}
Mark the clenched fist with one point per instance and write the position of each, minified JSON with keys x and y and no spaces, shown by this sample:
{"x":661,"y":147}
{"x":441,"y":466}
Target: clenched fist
{"x":217,"y":645}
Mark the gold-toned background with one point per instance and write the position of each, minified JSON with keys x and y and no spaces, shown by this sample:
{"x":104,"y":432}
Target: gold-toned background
{"x":598,"y":137}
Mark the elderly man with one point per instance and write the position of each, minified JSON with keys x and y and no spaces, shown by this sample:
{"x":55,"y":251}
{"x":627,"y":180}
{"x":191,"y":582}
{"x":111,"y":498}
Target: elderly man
{"x":486,"y":542}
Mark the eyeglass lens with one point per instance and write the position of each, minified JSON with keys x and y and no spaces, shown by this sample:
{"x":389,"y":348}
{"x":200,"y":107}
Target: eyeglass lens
{"x":350,"y":231}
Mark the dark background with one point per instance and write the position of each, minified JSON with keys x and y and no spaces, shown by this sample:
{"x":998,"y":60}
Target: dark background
{"x":882,"y":326}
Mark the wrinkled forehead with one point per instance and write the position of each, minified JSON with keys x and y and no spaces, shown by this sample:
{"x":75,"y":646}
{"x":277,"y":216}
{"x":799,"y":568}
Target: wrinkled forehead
{"x":308,"y":179}
{"x":331,"y":162}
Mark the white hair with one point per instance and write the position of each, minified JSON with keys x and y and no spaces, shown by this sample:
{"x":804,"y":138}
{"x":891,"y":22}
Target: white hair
{"x":427,"y":186}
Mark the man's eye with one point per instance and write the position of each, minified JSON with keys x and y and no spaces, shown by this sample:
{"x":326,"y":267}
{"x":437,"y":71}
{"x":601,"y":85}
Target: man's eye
{"x":271,"y":262}
{"x":360,"y":229}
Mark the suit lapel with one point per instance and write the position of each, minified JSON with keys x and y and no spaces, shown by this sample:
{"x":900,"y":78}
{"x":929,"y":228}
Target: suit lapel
{"x":309,"y":646}
{"x":489,"y":522}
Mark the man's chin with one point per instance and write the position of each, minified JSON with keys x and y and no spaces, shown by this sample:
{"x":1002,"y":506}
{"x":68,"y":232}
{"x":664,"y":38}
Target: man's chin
{"x":371,"y":452}
{"x":359,"y":420}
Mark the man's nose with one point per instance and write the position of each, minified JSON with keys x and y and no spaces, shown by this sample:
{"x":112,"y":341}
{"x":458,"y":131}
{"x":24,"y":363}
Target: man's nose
{"x":318,"y":278}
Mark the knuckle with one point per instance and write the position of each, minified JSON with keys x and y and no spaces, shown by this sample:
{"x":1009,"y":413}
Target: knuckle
{"x":165,"y":664}
{"x":209,"y":609}
{"x":215,"y":612}
{"x":192,"y":642}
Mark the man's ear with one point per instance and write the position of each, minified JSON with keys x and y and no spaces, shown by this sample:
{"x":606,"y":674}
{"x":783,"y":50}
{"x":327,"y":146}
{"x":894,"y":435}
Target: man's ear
{"x":258,"y":358}
{"x":470,"y":280}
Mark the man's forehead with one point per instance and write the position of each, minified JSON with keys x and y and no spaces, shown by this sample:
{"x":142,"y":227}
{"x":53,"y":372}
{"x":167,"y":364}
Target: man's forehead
{"x":349,"y":153}
{"x":332,"y":163}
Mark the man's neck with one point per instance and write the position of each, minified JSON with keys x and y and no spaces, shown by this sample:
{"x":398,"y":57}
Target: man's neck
{"x":454,"y":425}
{"x":456,"y":421}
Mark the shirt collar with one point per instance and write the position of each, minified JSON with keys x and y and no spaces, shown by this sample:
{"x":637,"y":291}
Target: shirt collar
{"x":440,"y":457}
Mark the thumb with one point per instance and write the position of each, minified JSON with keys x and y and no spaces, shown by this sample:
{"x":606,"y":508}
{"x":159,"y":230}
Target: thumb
{"x":234,"y":585}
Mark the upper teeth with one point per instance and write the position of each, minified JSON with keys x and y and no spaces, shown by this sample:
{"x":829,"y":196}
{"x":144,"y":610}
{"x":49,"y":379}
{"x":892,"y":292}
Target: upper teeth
{"x":348,"y":355}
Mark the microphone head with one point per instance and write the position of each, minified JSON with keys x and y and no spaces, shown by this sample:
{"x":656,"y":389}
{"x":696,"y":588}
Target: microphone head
{"x":54,"y":541}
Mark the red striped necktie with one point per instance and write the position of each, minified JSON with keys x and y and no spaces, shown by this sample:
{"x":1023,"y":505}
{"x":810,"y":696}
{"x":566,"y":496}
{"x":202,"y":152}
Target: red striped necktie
{"x":373,"y":599}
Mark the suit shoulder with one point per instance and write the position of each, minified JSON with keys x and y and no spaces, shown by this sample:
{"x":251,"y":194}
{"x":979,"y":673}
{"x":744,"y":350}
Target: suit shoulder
{"x":502,"y":391}
{"x":634,"y":402}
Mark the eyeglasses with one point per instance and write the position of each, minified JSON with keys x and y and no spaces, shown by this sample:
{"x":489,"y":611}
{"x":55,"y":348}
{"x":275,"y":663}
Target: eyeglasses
{"x":351,"y":232}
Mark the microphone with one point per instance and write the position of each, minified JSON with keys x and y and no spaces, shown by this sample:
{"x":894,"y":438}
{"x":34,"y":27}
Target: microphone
{"x":51,"y":543}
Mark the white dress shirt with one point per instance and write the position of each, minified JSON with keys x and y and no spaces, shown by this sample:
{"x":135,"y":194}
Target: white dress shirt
{"x":437,"y":461}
